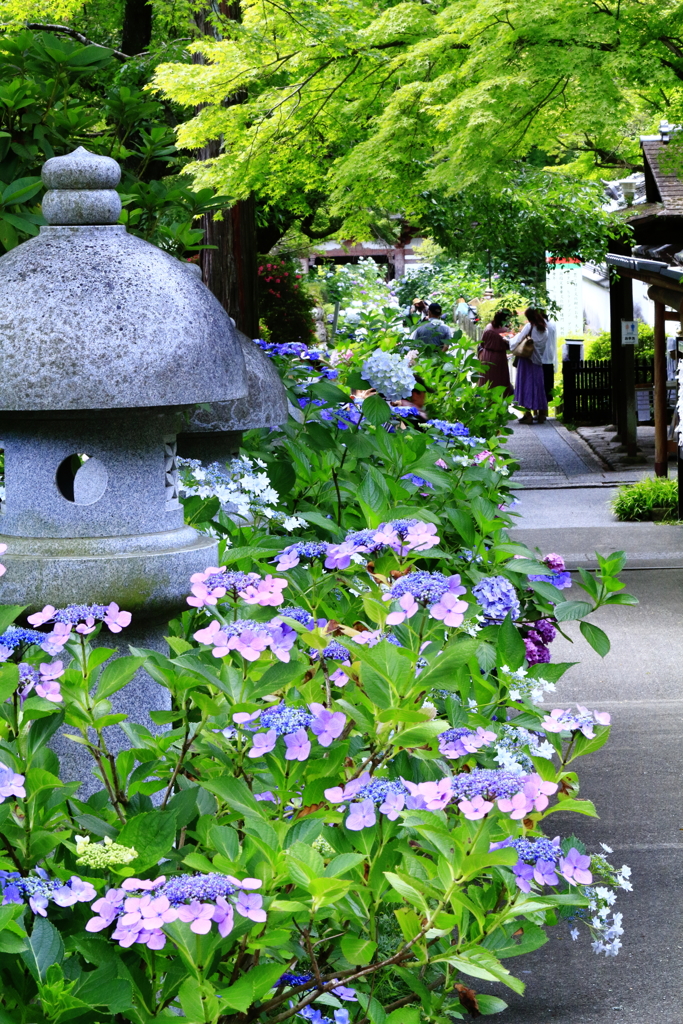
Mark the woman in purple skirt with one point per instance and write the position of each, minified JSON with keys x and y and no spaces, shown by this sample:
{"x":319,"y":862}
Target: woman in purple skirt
{"x":529,"y":385}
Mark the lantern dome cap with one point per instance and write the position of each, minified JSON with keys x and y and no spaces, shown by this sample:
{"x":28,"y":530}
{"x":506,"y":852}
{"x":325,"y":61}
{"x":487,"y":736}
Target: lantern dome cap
{"x":94,"y":318}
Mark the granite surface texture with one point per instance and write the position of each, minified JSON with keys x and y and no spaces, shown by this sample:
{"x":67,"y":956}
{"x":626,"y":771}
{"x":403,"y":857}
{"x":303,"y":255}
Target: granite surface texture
{"x":105,"y":320}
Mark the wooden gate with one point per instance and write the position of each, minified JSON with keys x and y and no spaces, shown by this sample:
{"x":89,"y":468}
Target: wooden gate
{"x":587,"y":388}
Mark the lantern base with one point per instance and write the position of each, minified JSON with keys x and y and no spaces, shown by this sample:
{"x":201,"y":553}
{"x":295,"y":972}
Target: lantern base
{"x":148,"y":574}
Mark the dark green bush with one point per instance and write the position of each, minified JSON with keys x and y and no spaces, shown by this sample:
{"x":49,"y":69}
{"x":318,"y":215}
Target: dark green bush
{"x":284,"y":302}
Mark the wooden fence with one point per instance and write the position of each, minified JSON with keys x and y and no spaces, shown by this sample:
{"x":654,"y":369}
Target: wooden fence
{"x":587,"y":388}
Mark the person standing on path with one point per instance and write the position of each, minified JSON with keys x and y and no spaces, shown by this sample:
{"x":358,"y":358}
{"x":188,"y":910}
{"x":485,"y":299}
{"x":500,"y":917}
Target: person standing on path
{"x":529,"y":386}
{"x":434,"y":331}
{"x":493,"y":353}
{"x":549,"y":357}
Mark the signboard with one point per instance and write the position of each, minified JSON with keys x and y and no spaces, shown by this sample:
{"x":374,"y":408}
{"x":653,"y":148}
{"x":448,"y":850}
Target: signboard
{"x":629,"y":332}
{"x":564,"y":282}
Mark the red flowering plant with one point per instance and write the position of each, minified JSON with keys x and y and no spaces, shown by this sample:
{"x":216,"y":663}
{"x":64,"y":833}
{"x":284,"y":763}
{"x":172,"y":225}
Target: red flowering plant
{"x":284,"y":301}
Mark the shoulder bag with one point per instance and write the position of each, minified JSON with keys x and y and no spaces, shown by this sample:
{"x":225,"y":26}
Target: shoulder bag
{"x":524,"y":349}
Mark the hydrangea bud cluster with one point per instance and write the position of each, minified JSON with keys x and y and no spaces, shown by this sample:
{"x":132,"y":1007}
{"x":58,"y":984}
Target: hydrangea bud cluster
{"x":140,"y":908}
{"x":11,"y":784}
{"x":389,"y":374}
{"x":103,"y":855}
{"x":39,"y":890}
{"x":427,"y":589}
{"x":249,"y":638}
{"x":82,"y":618}
{"x":293,"y":725}
{"x":364,"y":794}
{"x":558,"y":576}
{"x":461,"y":742}
{"x":16,"y":639}
{"x":497,"y":597}
{"x":569,"y":721}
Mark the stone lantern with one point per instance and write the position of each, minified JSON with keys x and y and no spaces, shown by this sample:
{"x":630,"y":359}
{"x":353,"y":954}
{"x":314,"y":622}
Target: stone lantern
{"x":214,"y":432}
{"x":105,"y":342}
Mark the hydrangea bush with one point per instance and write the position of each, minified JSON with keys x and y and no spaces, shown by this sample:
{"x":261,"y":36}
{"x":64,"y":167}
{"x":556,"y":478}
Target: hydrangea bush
{"x":345,"y":816}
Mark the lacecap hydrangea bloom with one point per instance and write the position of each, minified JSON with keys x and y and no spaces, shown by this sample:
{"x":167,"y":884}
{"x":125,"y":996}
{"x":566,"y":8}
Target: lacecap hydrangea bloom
{"x":140,"y":908}
{"x":389,"y":374}
{"x":81,"y":618}
{"x":39,"y":890}
{"x":293,"y":725}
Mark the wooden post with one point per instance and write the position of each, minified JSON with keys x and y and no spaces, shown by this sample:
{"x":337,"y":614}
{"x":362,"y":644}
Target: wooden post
{"x":615,"y":285}
{"x":661,"y":455}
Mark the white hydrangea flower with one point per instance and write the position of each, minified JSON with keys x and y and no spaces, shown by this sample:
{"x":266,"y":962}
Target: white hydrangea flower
{"x":389,"y":374}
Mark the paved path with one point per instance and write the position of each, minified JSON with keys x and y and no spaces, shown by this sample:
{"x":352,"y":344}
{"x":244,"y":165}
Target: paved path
{"x":635,"y":780}
{"x":552,"y":456}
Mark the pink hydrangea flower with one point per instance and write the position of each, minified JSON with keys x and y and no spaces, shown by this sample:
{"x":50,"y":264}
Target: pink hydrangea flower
{"x":362,"y":815}
{"x":475,"y":808}
{"x":3,"y":549}
{"x":263,"y":743}
{"x":393,"y":805}
{"x":429,"y":796}
{"x":115,"y":619}
{"x":106,"y":908}
{"x":209,"y":635}
{"x":266,"y":592}
{"x":47,"y":686}
{"x":409,"y":607}
{"x":198,"y":915}
{"x":339,"y":555}
{"x":449,"y":609}
{"x":298,"y":745}
{"x":386,"y":535}
{"x":40,"y":618}
{"x":224,"y":916}
{"x":339,"y":677}
{"x":55,"y":641}
{"x":420,"y":537}
{"x":250,"y":643}
{"x":574,"y":867}
{"x":250,"y":905}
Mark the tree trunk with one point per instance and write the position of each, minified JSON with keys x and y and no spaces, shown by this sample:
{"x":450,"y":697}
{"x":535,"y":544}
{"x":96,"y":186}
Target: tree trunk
{"x":230,"y":270}
{"x":137,"y":27}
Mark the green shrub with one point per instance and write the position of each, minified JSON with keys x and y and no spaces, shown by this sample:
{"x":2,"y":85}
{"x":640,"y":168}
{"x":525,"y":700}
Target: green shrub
{"x":600,"y":347}
{"x":648,"y":499}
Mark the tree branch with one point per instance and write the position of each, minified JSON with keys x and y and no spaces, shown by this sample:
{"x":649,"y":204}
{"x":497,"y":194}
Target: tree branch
{"x":66,"y":31}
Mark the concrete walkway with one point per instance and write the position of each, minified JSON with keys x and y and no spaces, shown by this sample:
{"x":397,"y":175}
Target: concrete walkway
{"x":635,"y":780}
{"x":564,"y":503}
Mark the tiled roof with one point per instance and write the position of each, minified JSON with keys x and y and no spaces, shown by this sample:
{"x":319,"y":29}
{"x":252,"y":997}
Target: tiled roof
{"x":670,"y":186}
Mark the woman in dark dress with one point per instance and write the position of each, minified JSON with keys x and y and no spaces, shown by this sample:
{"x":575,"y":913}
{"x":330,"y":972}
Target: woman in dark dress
{"x":492,"y":352}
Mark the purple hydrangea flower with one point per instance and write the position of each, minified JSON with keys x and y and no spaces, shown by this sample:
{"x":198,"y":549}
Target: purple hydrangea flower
{"x":574,"y":867}
{"x":327,"y":725}
{"x":292,"y":555}
{"x":250,"y":905}
{"x":362,"y":815}
{"x":11,"y":783}
{"x":298,"y":746}
{"x":461,"y":742}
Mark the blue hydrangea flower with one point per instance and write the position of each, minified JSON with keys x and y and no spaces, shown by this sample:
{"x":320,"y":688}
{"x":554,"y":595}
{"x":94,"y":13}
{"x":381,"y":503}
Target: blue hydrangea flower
{"x":426,"y":587}
{"x":497,"y":597}
{"x":16,"y":636}
{"x":285,"y":720}
{"x":298,"y":614}
{"x":196,"y":887}
{"x":488,"y":783}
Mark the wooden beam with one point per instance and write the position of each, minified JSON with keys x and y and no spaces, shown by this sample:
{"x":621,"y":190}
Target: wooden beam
{"x":671,"y":314}
{"x":661,"y":453}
